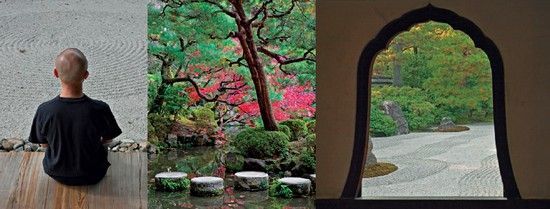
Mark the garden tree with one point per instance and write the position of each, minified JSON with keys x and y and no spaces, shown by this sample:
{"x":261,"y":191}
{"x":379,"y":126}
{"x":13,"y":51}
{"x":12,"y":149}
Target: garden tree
{"x":221,"y":48}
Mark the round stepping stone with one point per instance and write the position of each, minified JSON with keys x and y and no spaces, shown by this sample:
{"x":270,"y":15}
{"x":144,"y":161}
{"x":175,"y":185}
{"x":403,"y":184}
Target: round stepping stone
{"x":207,"y":186}
{"x":171,"y":181}
{"x":299,"y":186}
{"x":251,"y":181}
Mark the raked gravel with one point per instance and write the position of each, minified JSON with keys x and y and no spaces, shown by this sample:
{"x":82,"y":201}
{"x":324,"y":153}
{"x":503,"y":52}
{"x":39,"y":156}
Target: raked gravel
{"x":112,"y":34}
{"x":438,"y":164}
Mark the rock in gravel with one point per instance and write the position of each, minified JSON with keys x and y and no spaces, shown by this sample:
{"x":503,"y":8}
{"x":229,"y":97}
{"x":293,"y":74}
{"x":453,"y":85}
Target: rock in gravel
{"x":114,"y":143}
{"x":143,"y":146}
{"x":125,"y":145}
{"x":393,"y":109}
{"x":11,"y":143}
{"x":446,"y":123}
{"x":134,"y":146}
{"x":206,"y":186}
{"x":251,"y":181}
{"x":371,"y":158}
{"x":299,"y":186}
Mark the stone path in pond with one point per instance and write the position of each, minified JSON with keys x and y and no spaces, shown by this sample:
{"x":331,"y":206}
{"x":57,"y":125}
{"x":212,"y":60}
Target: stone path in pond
{"x":112,"y":34}
{"x":438,"y":164}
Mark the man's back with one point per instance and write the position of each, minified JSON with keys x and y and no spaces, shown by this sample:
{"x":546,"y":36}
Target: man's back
{"x":73,"y":129}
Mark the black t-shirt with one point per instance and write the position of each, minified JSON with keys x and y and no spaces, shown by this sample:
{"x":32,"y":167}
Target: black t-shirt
{"x":73,"y":128}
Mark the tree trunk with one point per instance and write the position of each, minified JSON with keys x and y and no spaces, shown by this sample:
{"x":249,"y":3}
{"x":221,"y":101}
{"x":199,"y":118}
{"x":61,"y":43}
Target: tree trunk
{"x":397,"y":79}
{"x":250,"y":53}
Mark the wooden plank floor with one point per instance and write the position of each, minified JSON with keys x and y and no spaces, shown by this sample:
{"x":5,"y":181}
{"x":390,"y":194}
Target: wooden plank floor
{"x":23,"y":184}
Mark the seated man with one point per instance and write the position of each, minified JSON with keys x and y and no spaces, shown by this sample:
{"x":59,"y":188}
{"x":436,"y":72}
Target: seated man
{"x":73,"y":126}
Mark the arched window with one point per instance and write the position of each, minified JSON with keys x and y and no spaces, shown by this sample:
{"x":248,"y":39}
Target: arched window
{"x":429,"y":13}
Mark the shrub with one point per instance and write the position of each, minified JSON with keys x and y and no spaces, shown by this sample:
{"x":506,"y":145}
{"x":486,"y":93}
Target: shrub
{"x":285,"y":129}
{"x":415,"y":103}
{"x":311,"y":126}
{"x":310,"y":141}
{"x":158,"y":127}
{"x":307,"y":158}
{"x":277,"y":189}
{"x":204,"y":117}
{"x":259,"y":143}
{"x":298,"y":128}
{"x":234,"y":161}
{"x":381,"y":124}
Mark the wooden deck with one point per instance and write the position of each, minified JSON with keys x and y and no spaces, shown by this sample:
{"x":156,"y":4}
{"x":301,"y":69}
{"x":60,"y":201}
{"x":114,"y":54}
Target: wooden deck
{"x":23,"y":184}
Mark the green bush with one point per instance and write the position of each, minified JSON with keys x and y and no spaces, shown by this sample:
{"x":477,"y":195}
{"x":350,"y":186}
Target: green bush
{"x":258,"y":143}
{"x":415,"y":103}
{"x":158,"y":127}
{"x":234,"y":161}
{"x":298,"y":128}
{"x":310,"y":140}
{"x":307,"y":158}
{"x":277,"y":189}
{"x":204,"y":117}
{"x":311,"y":126}
{"x":285,"y":129}
{"x":381,"y":124}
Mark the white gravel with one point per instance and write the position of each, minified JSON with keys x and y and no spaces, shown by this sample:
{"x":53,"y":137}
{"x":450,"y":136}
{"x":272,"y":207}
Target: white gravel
{"x":438,"y":164}
{"x":112,"y":34}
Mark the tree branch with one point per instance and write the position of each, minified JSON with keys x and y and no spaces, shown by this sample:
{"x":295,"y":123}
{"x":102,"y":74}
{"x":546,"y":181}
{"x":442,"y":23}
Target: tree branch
{"x":279,"y":14}
{"x":262,"y":9}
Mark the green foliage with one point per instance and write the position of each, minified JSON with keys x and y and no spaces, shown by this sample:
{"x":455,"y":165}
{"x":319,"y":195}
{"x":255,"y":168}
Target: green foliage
{"x":277,"y":189}
{"x":310,"y":140}
{"x":174,"y":184}
{"x":285,"y":129}
{"x":444,"y":75}
{"x":158,"y":127}
{"x":298,"y":128}
{"x":258,"y":143}
{"x":414,"y":102}
{"x":311,"y":126}
{"x":204,"y":117}
{"x":381,"y":124}
{"x":307,"y":158}
{"x":234,"y":161}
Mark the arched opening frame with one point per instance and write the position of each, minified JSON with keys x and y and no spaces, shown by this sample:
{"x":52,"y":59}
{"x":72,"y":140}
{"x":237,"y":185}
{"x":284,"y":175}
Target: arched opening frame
{"x":364,"y":73}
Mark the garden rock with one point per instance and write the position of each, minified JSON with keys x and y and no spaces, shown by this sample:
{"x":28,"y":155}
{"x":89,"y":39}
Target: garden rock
{"x":114,"y":143}
{"x":253,"y":164}
{"x":299,"y":186}
{"x":393,"y":109}
{"x":206,"y":186}
{"x":11,"y":143}
{"x":143,"y":146}
{"x":371,"y":158}
{"x":168,"y":176}
{"x":251,"y":181}
{"x":446,"y":123}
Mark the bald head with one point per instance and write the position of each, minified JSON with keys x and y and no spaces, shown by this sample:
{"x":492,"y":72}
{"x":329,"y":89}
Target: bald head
{"x":71,"y":66}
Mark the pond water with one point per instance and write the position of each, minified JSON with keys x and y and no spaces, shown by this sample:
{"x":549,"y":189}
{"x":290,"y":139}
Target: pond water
{"x":200,"y":159}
